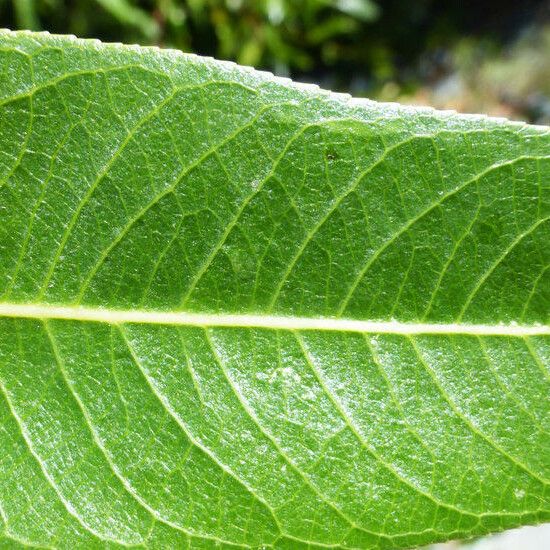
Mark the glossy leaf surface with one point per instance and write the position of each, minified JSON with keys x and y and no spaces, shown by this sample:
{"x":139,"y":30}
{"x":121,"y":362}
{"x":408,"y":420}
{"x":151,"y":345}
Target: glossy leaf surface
{"x":240,"y":312}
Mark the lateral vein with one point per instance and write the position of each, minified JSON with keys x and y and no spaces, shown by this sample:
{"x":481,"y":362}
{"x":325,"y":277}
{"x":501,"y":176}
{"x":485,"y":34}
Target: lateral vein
{"x":183,"y":318}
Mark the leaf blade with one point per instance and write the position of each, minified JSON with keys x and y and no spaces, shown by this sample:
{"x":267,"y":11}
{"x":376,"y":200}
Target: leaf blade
{"x":240,"y":312}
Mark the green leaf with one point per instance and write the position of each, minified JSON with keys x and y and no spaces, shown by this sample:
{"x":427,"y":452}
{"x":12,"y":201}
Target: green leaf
{"x":240,"y":312}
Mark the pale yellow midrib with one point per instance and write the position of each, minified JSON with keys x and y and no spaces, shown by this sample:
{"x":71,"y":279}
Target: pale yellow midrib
{"x":118,"y":317}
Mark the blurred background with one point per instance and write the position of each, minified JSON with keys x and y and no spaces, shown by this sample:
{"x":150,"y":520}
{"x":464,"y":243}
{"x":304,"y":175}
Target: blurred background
{"x":489,"y":56}
{"x":474,"y":56}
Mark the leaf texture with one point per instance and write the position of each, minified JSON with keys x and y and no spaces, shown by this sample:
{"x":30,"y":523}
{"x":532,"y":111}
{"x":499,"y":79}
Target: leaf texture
{"x":241,"y":312}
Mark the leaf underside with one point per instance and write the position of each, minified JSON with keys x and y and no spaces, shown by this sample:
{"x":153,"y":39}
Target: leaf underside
{"x":137,"y":181}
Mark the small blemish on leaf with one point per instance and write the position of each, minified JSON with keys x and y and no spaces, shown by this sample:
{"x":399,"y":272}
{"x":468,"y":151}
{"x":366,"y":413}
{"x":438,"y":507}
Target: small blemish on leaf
{"x":331,"y":155}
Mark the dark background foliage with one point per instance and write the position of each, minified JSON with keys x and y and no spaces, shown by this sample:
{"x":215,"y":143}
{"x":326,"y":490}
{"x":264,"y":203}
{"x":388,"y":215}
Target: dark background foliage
{"x":491,"y":56}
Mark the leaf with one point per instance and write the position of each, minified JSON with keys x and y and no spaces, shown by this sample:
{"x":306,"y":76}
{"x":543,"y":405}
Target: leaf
{"x":240,"y":312}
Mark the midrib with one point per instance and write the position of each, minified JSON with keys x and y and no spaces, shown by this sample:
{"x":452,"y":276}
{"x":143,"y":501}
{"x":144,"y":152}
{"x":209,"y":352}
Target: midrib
{"x":118,"y":317}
